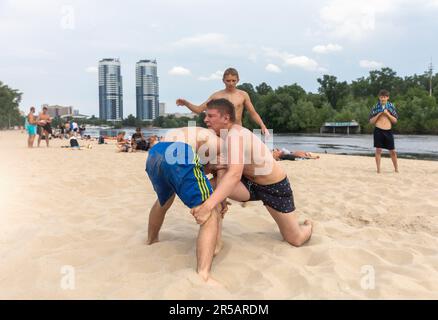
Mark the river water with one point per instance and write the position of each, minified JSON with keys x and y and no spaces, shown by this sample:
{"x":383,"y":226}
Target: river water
{"x":407,"y":146}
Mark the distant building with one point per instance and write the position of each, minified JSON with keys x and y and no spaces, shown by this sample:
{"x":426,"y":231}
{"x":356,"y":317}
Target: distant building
{"x":146,"y":80}
{"x":75,"y":116}
{"x":110,"y":90}
{"x":180,"y":115}
{"x":56,"y":111}
{"x":340,"y":127}
{"x":162,"y":110}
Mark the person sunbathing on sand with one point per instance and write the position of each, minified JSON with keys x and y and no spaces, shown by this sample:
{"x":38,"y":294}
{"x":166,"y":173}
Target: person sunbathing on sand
{"x":285,"y":154}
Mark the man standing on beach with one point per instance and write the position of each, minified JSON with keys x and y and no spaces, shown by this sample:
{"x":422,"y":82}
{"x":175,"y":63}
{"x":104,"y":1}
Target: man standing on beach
{"x":383,"y":116}
{"x":31,"y":127}
{"x":174,"y":167}
{"x":252,"y":174}
{"x":239,"y":98}
{"x":44,"y":126}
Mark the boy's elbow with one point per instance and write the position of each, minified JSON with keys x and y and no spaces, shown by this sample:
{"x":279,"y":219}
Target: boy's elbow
{"x":236,"y":177}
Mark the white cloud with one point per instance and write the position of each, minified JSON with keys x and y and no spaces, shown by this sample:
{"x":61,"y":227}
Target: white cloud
{"x":179,"y":71}
{"x":214,"y":76}
{"x":215,"y":44}
{"x":302,"y":62}
{"x":272,"y":68}
{"x":253,"y":57}
{"x":432,"y":3}
{"x":354,"y":19}
{"x":208,"y":39}
{"x":91,"y":70}
{"x":24,"y":52}
{"x":323,"y":49}
{"x":369,"y":64}
{"x":34,"y":7}
{"x":288,"y":59}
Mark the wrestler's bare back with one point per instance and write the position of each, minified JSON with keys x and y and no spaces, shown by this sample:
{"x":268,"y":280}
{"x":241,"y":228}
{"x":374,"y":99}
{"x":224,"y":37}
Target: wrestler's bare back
{"x":259,"y":164}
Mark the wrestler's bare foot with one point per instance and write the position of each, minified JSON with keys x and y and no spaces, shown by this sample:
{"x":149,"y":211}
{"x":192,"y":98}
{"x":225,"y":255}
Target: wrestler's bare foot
{"x":213,"y":282}
{"x":218,"y":248}
{"x":307,"y":229}
{"x":208,"y":279}
{"x":151,"y":241}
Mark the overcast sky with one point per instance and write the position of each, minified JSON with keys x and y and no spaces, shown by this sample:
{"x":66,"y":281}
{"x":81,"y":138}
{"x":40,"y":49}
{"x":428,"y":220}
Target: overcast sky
{"x":50,"y":48}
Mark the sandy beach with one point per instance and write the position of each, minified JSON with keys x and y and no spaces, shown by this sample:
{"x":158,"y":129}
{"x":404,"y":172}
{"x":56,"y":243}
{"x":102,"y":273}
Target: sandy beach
{"x":73,"y":225}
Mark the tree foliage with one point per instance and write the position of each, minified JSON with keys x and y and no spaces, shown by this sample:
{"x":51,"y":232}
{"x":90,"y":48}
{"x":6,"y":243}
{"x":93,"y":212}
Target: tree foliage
{"x":9,"y":112}
{"x":290,"y":108}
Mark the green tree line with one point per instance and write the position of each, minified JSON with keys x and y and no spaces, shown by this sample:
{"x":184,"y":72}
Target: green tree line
{"x":9,"y":112}
{"x":290,"y":108}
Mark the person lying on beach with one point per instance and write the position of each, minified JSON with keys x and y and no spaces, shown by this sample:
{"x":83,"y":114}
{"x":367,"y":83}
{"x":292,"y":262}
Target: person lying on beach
{"x":285,"y":154}
{"x":123,"y":144}
{"x":252,"y":174}
{"x":239,"y":98}
{"x":73,"y":144}
{"x":174,"y":167}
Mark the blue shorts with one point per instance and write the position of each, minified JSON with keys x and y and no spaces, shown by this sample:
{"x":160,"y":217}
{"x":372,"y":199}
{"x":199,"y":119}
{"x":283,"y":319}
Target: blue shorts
{"x":31,"y":129}
{"x":173,"y":167}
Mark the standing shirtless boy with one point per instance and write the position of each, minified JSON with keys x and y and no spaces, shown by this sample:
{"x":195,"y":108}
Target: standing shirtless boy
{"x":239,"y":98}
{"x":383,"y":116}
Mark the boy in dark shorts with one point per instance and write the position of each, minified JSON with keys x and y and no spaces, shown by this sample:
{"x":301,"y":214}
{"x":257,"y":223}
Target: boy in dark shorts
{"x":383,"y":116}
{"x":252,"y":174}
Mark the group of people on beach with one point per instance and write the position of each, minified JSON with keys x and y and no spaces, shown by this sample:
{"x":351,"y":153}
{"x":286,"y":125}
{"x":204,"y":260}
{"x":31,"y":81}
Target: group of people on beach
{"x":138,"y":141}
{"x":41,"y":125}
{"x":242,"y":168}
{"x":69,"y":129}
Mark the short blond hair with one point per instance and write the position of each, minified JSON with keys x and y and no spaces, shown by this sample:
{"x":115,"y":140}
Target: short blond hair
{"x":231,"y":72}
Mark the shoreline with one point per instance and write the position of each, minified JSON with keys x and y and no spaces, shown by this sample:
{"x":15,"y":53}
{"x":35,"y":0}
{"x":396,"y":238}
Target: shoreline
{"x":426,"y":156}
{"x":405,"y":156}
